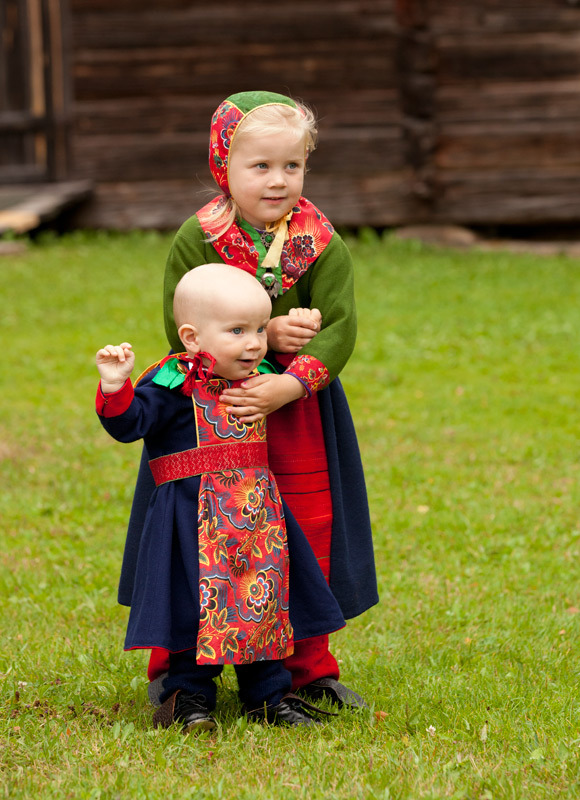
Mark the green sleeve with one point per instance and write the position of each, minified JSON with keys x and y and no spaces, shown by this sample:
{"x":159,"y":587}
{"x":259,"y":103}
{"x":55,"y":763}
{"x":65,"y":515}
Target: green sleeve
{"x":188,"y":250}
{"x":329,"y":286}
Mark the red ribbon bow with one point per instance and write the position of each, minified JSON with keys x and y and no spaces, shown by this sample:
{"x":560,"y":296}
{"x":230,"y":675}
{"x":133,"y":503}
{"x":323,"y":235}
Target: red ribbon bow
{"x":197,"y":371}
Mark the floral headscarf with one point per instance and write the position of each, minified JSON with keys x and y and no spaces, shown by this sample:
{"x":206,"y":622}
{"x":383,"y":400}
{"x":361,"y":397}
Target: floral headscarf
{"x":307,"y":233}
{"x":225,"y":122}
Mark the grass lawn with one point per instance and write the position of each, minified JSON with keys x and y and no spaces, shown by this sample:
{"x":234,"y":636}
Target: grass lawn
{"x":464,"y":387}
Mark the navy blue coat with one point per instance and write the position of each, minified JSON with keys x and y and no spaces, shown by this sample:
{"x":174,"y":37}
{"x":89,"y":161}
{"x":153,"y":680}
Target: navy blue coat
{"x":352,"y":566}
{"x":164,"y":570}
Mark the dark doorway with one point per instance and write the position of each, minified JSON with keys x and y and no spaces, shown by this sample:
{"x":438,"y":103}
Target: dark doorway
{"x":33,"y":92}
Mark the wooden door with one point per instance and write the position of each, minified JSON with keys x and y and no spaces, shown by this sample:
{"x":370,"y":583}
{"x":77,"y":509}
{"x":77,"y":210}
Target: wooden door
{"x":33,"y":96}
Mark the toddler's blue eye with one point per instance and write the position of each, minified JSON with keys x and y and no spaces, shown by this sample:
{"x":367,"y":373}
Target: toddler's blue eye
{"x":237,"y":331}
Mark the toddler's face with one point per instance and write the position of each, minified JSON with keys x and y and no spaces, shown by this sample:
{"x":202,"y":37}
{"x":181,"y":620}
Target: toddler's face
{"x":235,"y":335}
{"x":266,"y":176}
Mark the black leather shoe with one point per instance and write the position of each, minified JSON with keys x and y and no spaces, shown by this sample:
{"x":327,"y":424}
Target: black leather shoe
{"x":334,"y":691}
{"x":291,"y":710}
{"x":189,"y":709}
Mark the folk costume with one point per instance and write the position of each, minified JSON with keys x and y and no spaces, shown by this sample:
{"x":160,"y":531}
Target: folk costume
{"x":213,"y":574}
{"x":312,"y":444}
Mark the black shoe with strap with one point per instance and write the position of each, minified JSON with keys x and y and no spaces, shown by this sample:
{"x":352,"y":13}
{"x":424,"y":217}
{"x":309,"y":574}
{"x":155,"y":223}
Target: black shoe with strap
{"x":188,"y":709}
{"x":334,"y":691}
{"x":291,"y":710}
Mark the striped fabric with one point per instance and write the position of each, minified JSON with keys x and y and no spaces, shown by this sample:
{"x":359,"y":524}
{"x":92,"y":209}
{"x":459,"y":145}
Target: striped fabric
{"x":297,"y":457}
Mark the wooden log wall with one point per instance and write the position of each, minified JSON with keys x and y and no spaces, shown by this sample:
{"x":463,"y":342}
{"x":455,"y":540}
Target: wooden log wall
{"x":148,"y":76}
{"x":430,"y":110}
{"x":504,"y":121}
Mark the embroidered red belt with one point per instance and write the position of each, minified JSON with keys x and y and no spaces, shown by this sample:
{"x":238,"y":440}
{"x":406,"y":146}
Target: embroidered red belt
{"x":209,"y":458}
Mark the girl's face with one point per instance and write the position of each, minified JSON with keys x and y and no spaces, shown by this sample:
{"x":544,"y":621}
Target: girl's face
{"x":266,"y":175}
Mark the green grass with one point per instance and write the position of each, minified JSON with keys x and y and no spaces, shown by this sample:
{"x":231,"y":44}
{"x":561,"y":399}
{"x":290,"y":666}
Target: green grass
{"x":464,"y":387}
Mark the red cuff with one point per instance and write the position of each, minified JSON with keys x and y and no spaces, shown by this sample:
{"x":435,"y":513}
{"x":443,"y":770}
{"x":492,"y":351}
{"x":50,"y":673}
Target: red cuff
{"x":311,"y":373}
{"x":115,"y":403}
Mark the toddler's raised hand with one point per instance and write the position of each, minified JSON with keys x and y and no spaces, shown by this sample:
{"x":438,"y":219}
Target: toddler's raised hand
{"x":115,"y":363}
{"x":290,"y":333}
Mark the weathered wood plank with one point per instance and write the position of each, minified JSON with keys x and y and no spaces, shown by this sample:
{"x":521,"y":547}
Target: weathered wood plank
{"x":530,"y":57}
{"x":232,"y":15}
{"x":499,"y":16}
{"x":500,"y":146}
{"x":525,"y":198}
{"x":38,"y":204}
{"x":346,"y":199}
{"x":170,"y":156}
{"x":508,"y":101}
{"x":195,"y":24}
{"x":192,"y":113}
{"x":156,"y":72}
{"x":104,"y":6}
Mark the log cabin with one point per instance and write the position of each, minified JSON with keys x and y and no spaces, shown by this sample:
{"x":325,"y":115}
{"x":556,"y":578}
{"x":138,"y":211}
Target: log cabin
{"x":430,"y":111}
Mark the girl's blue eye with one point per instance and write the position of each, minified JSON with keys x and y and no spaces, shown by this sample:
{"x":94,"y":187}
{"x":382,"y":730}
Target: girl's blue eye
{"x":261,"y":329}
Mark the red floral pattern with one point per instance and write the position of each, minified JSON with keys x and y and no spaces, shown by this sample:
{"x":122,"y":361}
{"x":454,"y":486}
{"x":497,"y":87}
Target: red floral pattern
{"x":243,"y":552}
{"x":308,"y":234}
{"x":223,"y":124}
{"x":219,"y":423}
{"x":310,"y":372}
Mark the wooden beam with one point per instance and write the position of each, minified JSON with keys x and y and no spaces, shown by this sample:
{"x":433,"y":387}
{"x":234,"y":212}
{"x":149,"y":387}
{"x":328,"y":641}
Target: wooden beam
{"x":43,"y":203}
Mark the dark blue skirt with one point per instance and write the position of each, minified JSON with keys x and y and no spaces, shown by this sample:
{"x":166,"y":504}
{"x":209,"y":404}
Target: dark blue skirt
{"x":352,"y":567}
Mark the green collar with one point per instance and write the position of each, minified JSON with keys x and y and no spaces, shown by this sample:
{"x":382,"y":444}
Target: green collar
{"x":170,"y":375}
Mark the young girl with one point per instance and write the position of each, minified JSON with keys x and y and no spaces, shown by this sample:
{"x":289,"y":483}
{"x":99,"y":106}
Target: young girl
{"x":259,"y":146}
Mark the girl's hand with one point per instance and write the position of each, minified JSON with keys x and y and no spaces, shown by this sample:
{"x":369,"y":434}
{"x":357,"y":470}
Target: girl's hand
{"x":290,"y":333}
{"x":259,"y":396}
{"x":115,"y":364}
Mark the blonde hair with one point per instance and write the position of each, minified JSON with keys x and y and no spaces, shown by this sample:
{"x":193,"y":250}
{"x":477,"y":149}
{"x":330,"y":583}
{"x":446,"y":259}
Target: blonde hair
{"x":271,"y":119}
{"x":275,"y":118}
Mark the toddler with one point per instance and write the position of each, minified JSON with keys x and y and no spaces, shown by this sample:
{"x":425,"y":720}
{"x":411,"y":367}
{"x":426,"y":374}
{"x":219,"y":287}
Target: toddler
{"x":224,"y":574}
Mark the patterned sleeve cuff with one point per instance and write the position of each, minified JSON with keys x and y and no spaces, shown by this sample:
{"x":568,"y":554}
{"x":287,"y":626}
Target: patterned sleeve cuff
{"x":311,"y":373}
{"x":115,"y":403}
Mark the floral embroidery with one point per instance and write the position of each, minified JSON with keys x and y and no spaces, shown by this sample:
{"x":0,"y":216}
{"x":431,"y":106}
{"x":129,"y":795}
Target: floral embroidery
{"x":219,"y":422}
{"x":243,"y":552}
{"x":309,"y":232}
{"x":207,"y":596}
{"x":293,"y":264}
{"x":274,"y":540}
{"x":229,"y":646}
{"x":310,"y":371}
{"x":223,"y":124}
{"x":211,"y":534}
{"x":205,"y":650}
{"x":243,"y":502}
{"x":257,"y":590}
